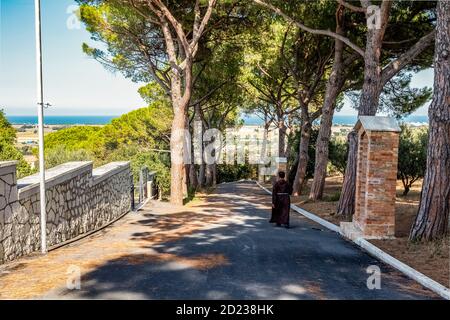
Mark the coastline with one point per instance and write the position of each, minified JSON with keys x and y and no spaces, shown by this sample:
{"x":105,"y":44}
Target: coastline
{"x":73,"y":120}
{"x":28,"y":120}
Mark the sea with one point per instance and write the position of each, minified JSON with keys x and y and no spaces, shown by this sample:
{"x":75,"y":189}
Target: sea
{"x":248,"y":120}
{"x":62,"y":120}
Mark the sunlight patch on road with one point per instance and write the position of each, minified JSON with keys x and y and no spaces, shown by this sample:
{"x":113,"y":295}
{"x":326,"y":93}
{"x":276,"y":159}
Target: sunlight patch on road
{"x":293,"y":288}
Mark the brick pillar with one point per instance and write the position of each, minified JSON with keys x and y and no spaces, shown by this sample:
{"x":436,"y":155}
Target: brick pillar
{"x":376,"y":179}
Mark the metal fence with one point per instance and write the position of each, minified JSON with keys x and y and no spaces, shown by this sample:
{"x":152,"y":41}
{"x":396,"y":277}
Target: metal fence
{"x":145,"y":190}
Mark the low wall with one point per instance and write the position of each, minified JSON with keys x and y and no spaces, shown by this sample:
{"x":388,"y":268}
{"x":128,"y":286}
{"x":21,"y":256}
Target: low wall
{"x":78,"y":200}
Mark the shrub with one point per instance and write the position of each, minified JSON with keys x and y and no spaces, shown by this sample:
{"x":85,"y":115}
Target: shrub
{"x":412,"y":156}
{"x":338,"y":154}
{"x":7,"y":149}
{"x":294,"y":140}
{"x":154,"y":161}
{"x":9,"y":152}
{"x":7,"y":132}
{"x":61,"y":154}
{"x":229,"y":173}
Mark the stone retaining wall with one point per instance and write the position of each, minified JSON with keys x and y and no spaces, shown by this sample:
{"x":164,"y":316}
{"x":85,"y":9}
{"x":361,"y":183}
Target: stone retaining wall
{"x":79,"y":200}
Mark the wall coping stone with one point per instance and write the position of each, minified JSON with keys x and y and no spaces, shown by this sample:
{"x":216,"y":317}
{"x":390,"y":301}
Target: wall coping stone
{"x":30,"y":185}
{"x":104,"y":172}
{"x":7,"y":167}
{"x":7,"y":163}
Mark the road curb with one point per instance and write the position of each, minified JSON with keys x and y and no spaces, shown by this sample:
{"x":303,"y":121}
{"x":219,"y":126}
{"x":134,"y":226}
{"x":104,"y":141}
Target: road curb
{"x":373,"y":250}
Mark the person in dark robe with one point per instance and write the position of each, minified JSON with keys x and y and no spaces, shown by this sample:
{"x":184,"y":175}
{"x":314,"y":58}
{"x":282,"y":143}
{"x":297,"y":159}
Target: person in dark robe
{"x":281,"y":201}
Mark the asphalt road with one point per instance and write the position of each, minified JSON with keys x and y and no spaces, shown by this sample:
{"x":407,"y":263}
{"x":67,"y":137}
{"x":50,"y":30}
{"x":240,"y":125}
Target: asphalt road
{"x":230,"y":251}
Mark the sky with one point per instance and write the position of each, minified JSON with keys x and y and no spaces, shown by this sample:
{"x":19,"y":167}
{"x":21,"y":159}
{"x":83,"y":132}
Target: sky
{"x":74,"y":84}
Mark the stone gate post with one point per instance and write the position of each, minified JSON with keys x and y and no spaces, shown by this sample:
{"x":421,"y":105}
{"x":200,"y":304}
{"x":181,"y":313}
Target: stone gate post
{"x":376,"y":179}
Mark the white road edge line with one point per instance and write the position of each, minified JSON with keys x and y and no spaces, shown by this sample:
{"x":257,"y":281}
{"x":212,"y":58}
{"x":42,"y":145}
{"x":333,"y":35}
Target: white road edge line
{"x":378,"y":253}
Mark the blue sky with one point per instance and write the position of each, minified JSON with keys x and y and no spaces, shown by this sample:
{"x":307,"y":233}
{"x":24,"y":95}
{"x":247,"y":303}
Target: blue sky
{"x":74,"y":84}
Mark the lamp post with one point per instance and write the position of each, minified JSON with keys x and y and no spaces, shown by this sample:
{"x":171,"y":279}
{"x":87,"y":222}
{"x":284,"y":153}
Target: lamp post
{"x":40,"y":98}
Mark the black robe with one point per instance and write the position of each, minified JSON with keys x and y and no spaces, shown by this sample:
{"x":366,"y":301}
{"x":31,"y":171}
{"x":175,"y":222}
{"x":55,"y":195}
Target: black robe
{"x":282,"y":202}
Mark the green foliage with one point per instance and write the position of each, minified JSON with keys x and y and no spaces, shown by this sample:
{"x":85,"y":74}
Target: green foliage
{"x":7,"y":132}
{"x":134,"y":137}
{"x":61,"y":154}
{"x":7,"y":149}
{"x":147,"y":127}
{"x":332,"y":197}
{"x":412,"y":157}
{"x":338,"y":154}
{"x":295,"y":141}
{"x":399,"y":99}
{"x":152,"y":93}
{"x":9,"y":152}
{"x":139,"y":157}
{"x":229,"y":173}
{"x":73,"y":138}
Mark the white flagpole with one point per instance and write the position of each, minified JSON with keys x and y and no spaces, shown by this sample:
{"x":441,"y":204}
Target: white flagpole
{"x":40,"y":98}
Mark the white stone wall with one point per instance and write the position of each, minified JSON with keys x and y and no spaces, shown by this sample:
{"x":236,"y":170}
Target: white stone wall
{"x":78,"y":200}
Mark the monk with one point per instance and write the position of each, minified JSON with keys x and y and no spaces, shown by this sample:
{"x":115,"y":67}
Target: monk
{"x":281,"y":201}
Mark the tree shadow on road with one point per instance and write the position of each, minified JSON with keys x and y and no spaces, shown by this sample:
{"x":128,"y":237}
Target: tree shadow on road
{"x":226,"y":249}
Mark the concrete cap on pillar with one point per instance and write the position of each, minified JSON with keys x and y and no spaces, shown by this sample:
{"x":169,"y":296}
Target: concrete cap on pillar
{"x":375,"y":123}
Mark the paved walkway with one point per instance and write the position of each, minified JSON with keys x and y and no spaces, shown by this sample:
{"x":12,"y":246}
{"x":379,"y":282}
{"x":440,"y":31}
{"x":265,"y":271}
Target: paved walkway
{"x":220,"y":247}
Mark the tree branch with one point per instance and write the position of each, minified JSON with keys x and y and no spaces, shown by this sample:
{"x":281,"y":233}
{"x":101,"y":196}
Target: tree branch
{"x":193,"y":45}
{"x":351,"y":7}
{"x":175,"y":24}
{"x":398,"y":64}
{"x":327,"y":33}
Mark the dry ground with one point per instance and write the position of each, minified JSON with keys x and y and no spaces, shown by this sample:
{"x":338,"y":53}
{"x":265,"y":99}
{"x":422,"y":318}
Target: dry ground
{"x":432,"y":259}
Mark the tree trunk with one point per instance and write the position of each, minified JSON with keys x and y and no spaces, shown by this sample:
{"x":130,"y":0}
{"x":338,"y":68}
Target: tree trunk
{"x":202,"y":175}
{"x":214,"y":172}
{"x":180,"y":103}
{"x":406,"y":190}
{"x":300,"y":176}
{"x":281,"y":138}
{"x":198,"y":149}
{"x":177,"y":168}
{"x":186,"y":181}
{"x":262,"y":165}
{"x":209,"y":175}
{"x":368,"y":105}
{"x":432,"y":219}
{"x":346,"y":206}
{"x":193,"y":181}
{"x":288,"y":148}
{"x":322,"y":144}
{"x":334,"y":87}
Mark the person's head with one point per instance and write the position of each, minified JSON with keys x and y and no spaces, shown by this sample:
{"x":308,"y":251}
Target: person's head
{"x":281,"y":175}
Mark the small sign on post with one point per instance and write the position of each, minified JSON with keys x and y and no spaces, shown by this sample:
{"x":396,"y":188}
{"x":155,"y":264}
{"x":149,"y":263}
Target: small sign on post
{"x":150,"y":184}
{"x":132,"y":193}
{"x":141,"y":185}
